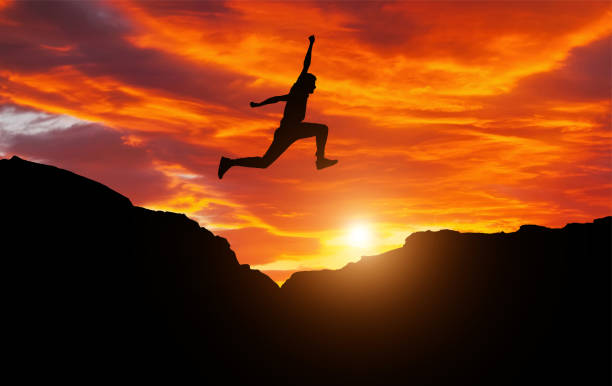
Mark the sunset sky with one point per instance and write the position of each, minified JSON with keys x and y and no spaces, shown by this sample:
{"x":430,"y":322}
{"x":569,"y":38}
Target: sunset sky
{"x":473,"y":116}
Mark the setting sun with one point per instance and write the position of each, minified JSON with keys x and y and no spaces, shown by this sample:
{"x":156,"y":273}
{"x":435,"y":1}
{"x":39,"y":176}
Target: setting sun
{"x":359,"y":235}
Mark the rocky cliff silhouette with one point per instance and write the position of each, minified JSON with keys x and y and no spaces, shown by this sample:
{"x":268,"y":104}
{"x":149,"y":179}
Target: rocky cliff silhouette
{"x":99,"y":289}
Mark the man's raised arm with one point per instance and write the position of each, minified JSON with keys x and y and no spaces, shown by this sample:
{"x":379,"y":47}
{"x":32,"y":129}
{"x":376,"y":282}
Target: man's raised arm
{"x":308,"y":55}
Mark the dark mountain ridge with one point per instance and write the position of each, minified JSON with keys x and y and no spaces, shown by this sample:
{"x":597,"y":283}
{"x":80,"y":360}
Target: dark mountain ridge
{"x":99,"y":289}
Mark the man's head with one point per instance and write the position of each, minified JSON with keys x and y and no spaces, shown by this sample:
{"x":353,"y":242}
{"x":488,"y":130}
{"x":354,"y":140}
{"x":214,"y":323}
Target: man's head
{"x":306,"y":83}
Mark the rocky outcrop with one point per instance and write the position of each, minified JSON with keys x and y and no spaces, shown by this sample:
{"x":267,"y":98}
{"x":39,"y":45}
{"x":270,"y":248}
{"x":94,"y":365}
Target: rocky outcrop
{"x":505,"y":308}
{"x":108,"y":287}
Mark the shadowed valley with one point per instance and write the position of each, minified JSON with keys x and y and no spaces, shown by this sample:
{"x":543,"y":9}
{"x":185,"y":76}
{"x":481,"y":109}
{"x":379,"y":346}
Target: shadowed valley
{"x":99,"y":289}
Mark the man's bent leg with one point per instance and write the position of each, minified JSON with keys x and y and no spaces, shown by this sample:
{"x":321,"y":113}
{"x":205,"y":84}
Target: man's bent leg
{"x":307,"y":129}
{"x":318,"y":130}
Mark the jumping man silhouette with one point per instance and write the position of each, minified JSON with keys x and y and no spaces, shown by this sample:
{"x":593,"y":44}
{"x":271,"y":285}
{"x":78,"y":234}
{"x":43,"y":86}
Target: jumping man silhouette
{"x":291,"y":126}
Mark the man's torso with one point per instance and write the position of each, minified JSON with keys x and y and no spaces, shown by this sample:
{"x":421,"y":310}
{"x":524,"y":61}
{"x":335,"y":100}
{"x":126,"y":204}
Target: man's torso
{"x":295,"y":109}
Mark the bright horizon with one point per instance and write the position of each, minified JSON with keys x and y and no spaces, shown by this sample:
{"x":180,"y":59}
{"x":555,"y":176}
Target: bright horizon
{"x":472,"y":116}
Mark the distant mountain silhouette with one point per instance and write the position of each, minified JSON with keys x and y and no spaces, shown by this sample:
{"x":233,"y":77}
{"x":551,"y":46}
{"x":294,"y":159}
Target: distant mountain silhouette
{"x":99,"y":289}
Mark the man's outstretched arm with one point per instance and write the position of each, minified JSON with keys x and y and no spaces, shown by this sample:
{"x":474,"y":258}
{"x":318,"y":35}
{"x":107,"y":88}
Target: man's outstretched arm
{"x":268,"y":101}
{"x":308,"y":55}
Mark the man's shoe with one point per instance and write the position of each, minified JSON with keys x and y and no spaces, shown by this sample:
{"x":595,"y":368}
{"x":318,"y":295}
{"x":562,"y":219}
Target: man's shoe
{"x":224,"y":165}
{"x":323,"y":163}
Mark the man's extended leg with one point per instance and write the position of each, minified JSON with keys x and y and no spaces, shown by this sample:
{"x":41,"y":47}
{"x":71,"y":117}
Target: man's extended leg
{"x":278,"y":146}
{"x":318,"y":130}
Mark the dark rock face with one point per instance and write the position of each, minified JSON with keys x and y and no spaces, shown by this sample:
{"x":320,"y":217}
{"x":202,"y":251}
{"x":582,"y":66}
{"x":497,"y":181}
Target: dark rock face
{"x":99,"y":289}
{"x":526,"y":307}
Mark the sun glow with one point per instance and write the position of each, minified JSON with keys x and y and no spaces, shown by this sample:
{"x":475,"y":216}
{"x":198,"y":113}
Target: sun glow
{"x":359,"y":235}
